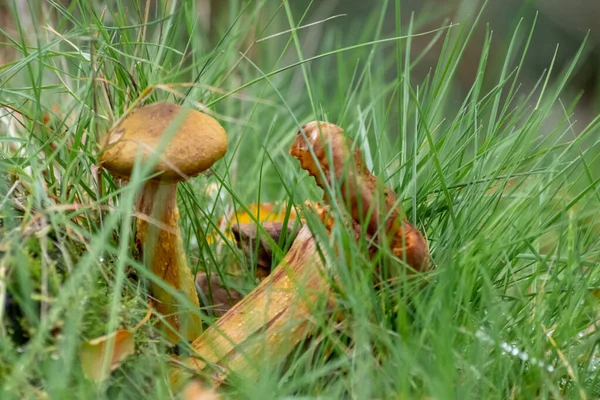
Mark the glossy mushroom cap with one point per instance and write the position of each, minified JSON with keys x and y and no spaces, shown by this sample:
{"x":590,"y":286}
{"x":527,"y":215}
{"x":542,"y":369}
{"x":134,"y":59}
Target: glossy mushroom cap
{"x":196,"y":142}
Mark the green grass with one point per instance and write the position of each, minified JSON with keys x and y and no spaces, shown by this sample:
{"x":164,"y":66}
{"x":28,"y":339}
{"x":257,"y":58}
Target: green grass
{"x":504,"y":187}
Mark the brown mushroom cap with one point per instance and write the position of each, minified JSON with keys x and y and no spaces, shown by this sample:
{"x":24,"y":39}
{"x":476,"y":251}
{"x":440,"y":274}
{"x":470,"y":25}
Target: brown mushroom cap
{"x":199,"y":141}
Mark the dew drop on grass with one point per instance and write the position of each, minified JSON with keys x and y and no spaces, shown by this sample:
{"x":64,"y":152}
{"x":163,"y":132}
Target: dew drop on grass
{"x":513,"y":350}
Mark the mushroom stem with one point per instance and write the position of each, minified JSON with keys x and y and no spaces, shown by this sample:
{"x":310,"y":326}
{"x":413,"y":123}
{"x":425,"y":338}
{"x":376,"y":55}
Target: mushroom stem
{"x":159,"y":238}
{"x":269,"y":322}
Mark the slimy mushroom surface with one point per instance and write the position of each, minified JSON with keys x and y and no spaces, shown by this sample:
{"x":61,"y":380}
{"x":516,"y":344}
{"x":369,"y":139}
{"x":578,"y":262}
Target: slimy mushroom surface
{"x":331,"y":157}
{"x":197,"y":141}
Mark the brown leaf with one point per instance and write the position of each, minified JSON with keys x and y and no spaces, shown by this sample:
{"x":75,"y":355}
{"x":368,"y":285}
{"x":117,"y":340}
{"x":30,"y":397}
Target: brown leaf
{"x":102,"y":355}
{"x":222,"y":299}
{"x":94,"y":352}
{"x":246,"y":236}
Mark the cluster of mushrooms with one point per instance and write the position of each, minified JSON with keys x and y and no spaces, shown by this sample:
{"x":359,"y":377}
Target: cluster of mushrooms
{"x":180,"y":143}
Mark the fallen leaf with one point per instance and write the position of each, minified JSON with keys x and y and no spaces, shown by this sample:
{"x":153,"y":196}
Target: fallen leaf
{"x":222,"y":299}
{"x":102,"y":355}
{"x":95,"y":352}
{"x":246,"y":237}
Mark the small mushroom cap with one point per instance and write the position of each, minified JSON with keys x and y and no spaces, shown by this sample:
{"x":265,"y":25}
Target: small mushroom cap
{"x":196,"y":142}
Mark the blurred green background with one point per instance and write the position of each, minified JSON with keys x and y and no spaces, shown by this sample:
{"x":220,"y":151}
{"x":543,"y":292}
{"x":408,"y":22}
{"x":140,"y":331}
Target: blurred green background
{"x":562,"y":23}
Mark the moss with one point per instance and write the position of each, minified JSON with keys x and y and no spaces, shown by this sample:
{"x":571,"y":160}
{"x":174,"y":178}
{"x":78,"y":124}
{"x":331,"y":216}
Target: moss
{"x":24,"y":281}
{"x":98,"y":304}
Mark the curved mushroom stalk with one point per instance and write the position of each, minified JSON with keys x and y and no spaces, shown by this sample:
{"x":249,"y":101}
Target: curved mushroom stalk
{"x":269,"y":322}
{"x":159,"y":238}
{"x":274,"y":317}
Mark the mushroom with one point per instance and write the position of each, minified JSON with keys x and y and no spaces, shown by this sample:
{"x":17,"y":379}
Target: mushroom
{"x":270,"y":321}
{"x":368,"y":200}
{"x":195,"y":141}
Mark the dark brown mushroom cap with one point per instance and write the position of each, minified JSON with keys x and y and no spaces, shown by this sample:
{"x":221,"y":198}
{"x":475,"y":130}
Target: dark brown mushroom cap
{"x":196,"y":141}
